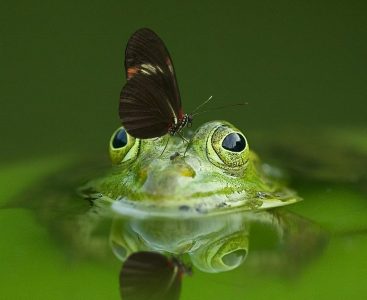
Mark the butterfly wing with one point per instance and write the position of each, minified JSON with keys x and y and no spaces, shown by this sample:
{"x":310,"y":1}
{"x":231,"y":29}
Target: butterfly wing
{"x":145,"y":109}
{"x":148,"y":275}
{"x":150,"y":101}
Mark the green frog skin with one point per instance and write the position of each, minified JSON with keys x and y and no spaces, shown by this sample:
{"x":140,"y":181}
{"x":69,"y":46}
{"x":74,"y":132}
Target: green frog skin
{"x":215,"y":172}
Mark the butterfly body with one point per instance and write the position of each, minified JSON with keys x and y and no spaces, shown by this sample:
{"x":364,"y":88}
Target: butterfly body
{"x":184,"y":121}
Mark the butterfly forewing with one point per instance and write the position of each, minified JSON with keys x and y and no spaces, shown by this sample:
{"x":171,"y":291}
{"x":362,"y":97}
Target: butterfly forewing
{"x":146,"y":53}
{"x":150,"y":102}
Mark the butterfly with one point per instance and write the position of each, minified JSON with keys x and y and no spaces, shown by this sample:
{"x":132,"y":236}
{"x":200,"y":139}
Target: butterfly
{"x":150,"y":275}
{"x":150,"y":102}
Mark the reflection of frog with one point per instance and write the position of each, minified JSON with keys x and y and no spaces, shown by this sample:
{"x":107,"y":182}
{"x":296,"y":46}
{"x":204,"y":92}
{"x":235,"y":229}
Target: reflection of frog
{"x":216,"y":171}
{"x":157,"y":251}
{"x":217,"y":243}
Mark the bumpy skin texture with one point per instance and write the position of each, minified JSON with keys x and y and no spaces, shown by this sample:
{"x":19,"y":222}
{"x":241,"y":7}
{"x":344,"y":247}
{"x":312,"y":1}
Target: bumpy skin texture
{"x":198,"y":177}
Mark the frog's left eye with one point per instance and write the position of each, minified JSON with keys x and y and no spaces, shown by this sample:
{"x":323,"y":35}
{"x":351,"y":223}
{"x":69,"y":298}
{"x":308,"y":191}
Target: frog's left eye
{"x":123,"y":146}
{"x":227,"y":147}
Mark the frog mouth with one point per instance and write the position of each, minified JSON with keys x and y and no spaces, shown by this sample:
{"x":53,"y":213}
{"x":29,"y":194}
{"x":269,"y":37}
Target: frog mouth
{"x":166,"y":208}
{"x":202,"y":204}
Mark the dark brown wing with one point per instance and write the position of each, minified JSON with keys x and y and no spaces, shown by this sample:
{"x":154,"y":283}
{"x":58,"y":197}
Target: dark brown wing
{"x":143,"y":109}
{"x":146,"y":53}
{"x":150,"y":101}
{"x":148,"y":275}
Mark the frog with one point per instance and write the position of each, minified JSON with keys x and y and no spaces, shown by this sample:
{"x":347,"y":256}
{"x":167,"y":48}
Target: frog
{"x":216,"y":243}
{"x":196,"y":199}
{"x":213,"y":172}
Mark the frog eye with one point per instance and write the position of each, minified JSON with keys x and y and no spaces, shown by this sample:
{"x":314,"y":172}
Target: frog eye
{"x":123,"y":146}
{"x":120,"y":139}
{"x":234,"y":142}
{"x":228,"y":147}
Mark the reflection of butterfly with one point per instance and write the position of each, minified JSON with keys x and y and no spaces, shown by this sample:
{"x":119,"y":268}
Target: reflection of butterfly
{"x":149,"y":275}
{"x":150,"y":103}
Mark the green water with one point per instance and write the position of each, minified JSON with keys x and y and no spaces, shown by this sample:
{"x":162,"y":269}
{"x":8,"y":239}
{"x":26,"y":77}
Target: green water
{"x":299,"y":65}
{"x":40,"y":254}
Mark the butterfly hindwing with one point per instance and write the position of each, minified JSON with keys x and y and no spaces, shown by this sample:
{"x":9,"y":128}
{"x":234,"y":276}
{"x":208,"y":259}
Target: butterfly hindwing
{"x":141,"y":110}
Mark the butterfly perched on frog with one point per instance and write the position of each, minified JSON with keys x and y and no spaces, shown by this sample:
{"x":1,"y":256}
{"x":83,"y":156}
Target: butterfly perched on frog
{"x":150,"y":102}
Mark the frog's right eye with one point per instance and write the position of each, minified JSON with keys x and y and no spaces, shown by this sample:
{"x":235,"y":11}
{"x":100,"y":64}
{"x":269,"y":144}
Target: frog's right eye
{"x":123,"y":146}
{"x":227,"y":148}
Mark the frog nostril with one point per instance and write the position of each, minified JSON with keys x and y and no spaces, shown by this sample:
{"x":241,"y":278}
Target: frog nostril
{"x":174,"y":156}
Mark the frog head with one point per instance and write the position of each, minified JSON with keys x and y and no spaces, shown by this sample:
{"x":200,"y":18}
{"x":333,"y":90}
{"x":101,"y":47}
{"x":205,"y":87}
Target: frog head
{"x":187,"y":197}
{"x":214,"y":171}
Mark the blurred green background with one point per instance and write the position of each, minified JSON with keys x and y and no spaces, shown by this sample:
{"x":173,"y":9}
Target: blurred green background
{"x":297,"y":63}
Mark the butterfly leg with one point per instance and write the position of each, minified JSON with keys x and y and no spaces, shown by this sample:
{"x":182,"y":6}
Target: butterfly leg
{"x":183,"y":138}
{"x":165,"y":147}
{"x":187,"y":147}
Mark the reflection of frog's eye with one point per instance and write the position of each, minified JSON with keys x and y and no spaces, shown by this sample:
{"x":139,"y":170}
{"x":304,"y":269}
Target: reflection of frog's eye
{"x":235,"y":258}
{"x":123,"y":146}
{"x":227,"y":147}
{"x":224,"y":254}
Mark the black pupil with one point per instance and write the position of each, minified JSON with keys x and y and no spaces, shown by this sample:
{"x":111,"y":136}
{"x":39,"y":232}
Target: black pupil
{"x":234,"y":142}
{"x":120,"y":139}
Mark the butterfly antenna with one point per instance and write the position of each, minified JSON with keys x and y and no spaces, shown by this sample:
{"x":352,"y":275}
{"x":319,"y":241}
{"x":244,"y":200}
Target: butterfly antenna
{"x":219,"y":107}
{"x":202,"y":104}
